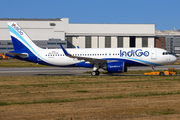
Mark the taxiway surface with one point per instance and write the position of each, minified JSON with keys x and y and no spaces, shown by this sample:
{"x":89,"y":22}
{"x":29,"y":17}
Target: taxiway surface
{"x":35,"y":71}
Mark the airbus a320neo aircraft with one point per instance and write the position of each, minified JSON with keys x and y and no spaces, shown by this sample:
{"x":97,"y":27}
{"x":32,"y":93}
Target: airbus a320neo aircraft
{"x":114,"y":60}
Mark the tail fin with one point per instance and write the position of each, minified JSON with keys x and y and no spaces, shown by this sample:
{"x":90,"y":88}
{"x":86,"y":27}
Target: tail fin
{"x":21,"y":41}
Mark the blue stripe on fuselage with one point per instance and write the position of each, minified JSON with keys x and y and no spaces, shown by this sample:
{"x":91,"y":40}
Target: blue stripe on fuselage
{"x":134,"y":61}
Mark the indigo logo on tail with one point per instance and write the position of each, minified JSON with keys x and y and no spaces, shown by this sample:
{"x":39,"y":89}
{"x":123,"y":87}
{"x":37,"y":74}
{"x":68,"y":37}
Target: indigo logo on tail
{"x":19,"y":30}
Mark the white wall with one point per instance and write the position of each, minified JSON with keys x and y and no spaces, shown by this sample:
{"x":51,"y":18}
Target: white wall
{"x":138,"y":42}
{"x":41,"y":30}
{"x":126,"y":42}
{"x":79,"y":41}
{"x":94,"y":42}
{"x":113,"y":42}
{"x":37,"y":29}
{"x":75,"y":41}
{"x":101,"y":42}
{"x":4,"y":34}
{"x":150,"y":41}
{"x":112,"y":29}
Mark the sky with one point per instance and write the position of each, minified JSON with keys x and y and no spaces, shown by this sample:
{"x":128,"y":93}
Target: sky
{"x":163,"y":13}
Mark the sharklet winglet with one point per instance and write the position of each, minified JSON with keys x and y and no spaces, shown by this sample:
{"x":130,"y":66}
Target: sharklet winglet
{"x":64,"y":50}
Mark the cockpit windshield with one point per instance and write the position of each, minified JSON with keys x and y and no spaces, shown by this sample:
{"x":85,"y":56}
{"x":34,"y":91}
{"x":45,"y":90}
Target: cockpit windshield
{"x":166,"y":53}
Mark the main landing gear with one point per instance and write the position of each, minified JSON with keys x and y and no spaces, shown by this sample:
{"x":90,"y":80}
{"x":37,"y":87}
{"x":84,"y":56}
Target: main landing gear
{"x":95,"y":71}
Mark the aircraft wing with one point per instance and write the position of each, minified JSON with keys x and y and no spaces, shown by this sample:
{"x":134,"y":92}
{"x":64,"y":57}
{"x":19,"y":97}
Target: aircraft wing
{"x":91,"y":60}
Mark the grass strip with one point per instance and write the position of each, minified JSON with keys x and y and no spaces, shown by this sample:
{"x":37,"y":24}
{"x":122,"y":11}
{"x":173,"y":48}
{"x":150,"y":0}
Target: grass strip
{"x":19,"y":64}
{"x":144,"y":94}
{"x":73,"y":83}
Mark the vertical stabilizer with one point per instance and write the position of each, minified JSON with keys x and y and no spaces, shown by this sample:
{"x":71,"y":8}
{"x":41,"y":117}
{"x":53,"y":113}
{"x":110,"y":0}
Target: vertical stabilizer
{"x":23,"y":45}
{"x":20,"y":39}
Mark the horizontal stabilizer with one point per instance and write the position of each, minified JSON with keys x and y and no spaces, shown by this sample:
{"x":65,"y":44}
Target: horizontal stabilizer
{"x":14,"y":54}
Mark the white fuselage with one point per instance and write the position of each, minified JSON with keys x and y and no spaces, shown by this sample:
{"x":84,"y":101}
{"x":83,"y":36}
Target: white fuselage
{"x":144,"y":56}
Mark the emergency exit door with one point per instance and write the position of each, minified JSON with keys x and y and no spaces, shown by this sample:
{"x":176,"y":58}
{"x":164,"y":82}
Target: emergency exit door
{"x":153,"y":54}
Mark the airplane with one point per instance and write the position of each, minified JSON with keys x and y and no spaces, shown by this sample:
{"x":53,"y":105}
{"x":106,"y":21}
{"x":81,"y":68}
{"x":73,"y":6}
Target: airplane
{"x":113,"y":60}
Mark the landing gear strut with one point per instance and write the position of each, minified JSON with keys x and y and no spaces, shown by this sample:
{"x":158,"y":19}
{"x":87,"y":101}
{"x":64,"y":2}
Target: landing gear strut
{"x":153,"y":67}
{"x":95,"y":70}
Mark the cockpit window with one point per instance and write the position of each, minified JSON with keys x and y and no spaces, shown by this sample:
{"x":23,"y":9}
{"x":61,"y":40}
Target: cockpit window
{"x":166,"y":53}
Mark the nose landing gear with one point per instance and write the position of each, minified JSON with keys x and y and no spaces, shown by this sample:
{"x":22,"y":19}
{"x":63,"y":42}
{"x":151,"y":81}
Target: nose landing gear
{"x":153,"y":67}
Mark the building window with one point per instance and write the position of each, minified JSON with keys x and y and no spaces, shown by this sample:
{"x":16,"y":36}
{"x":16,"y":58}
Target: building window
{"x":61,"y":43}
{"x":69,"y":42}
{"x":88,"y":42}
{"x":119,"y":41}
{"x":132,"y":41}
{"x":52,"y":24}
{"x":144,"y":41}
{"x":51,"y":43}
{"x":10,"y":43}
{"x":107,"y":41}
{"x":4,"y":43}
{"x":3,"y":48}
{"x":10,"y":48}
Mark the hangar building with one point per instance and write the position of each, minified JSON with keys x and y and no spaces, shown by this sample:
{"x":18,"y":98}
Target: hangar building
{"x":49,"y":33}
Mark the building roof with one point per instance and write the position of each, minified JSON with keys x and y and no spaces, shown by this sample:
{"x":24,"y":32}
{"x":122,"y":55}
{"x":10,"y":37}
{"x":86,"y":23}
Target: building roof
{"x":167,"y":33}
{"x":34,"y":19}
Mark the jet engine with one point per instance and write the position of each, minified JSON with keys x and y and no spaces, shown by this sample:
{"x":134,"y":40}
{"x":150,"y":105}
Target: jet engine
{"x":116,"y":67}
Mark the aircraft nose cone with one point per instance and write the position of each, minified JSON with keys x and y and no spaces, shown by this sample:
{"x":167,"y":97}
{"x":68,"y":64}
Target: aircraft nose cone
{"x":174,"y":59}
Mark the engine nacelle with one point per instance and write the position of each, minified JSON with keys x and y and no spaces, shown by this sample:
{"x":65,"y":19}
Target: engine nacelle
{"x":116,"y":67}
